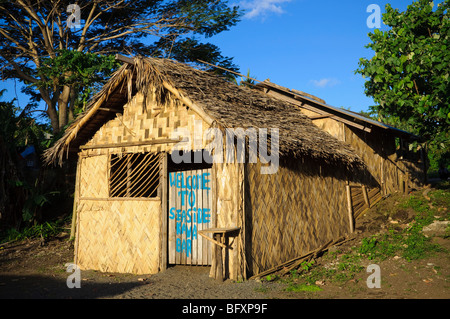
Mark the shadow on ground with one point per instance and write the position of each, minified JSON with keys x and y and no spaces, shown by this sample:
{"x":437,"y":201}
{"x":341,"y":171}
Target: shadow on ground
{"x":36,"y":287}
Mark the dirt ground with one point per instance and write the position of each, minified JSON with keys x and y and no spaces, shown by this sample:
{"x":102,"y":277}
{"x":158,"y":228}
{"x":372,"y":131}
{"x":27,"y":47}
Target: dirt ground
{"x":30,"y":269}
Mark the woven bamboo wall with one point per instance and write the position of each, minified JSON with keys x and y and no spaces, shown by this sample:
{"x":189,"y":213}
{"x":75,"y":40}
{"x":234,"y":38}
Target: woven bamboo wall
{"x":292,"y":212}
{"x":94,"y":177}
{"x":378,"y":152}
{"x":333,"y":127}
{"x":369,"y":148}
{"x":118,"y":236}
{"x":416,"y":171}
{"x":363,"y":197}
{"x":141,"y":122}
{"x":113,"y":234}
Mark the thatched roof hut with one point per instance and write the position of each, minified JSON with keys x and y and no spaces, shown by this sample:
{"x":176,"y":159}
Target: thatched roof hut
{"x":220,"y":102}
{"x":138,"y":210}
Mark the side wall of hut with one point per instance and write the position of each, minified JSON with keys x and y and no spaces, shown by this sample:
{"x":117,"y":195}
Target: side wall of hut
{"x":379,"y":151}
{"x":292,"y":212}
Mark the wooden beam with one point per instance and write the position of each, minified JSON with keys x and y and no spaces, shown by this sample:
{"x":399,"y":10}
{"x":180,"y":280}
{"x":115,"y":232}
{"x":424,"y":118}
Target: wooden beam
{"x":366,"y":196}
{"x":109,"y":110}
{"x":125,"y":59}
{"x":319,"y":117}
{"x":296,"y":100}
{"x":130,"y":144}
{"x":222,"y":230}
{"x":75,"y":200}
{"x":350,"y":209}
{"x":308,"y":95}
{"x":219,"y":263}
{"x":164,"y":211}
{"x":212,"y":240}
{"x":334,"y":117}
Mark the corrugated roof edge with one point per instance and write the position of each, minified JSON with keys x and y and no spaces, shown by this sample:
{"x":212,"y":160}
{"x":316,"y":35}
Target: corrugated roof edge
{"x":351,"y":114}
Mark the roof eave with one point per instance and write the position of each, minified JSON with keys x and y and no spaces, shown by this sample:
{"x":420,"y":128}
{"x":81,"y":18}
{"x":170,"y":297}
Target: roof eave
{"x":360,"y":120}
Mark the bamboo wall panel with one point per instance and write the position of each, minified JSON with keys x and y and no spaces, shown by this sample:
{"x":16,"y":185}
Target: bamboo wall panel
{"x":376,"y":150}
{"x":226,"y":199}
{"x":118,"y":236}
{"x":379,"y":153}
{"x":94,"y":177}
{"x":143,"y":122}
{"x":369,"y":150}
{"x":359,"y":202}
{"x":390,"y":177}
{"x":416,"y":172}
{"x":331,"y":126}
{"x":292,"y":212}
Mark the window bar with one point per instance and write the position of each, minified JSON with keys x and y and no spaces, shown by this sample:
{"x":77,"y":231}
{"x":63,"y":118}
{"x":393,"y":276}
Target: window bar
{"x":142,"y":187}
{"x":125,"y":177}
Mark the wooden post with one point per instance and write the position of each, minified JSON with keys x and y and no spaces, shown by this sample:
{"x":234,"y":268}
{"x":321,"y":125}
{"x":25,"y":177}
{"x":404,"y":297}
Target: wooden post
{"x":366,"y":196}
{"x":75,"y":200}
{"x":219,"y":263}
{"x":164,"y":211}
{"x":406,"y":183}
{"x":350,"y":209}
{"x":396,"y":179}
{"x":214,"y":219}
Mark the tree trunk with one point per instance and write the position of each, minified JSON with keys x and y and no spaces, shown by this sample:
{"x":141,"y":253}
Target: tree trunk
{"x":72,"y":98}
{"x":53,"y":115}
{"x":51,"y":108}
{"x":63,"y":104}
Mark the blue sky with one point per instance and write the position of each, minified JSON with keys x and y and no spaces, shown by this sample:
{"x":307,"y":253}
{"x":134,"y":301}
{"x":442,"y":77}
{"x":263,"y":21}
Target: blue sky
{"x":312,"y":46}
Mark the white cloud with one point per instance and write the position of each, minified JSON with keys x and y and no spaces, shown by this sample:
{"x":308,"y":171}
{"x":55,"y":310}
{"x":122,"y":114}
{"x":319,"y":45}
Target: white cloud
{"x":256,"y":8}
{"x":325,"y":82}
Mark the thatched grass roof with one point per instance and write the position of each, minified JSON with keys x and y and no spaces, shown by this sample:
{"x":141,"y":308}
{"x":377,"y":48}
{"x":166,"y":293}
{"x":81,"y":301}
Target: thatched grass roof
{"x":224,"y":104}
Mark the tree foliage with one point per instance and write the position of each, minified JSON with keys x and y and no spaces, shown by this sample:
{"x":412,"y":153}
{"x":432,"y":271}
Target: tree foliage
{"x":39,"y":46}
{"x":408,"y":77}
{"x":19,"y":197}
{"x":83,"y":72}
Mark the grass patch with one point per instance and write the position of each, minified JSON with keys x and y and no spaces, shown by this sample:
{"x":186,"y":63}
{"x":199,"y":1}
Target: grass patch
{"x":338,"y":272}
{"x":409,"y":243}
{"x":44,"y":230}
{"x":303,"y":287}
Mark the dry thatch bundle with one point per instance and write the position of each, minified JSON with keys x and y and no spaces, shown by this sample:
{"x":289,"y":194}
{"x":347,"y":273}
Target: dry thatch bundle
{"x":219,"y":102}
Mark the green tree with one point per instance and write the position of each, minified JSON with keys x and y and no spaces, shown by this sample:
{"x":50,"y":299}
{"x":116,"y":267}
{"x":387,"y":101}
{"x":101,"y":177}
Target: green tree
{"x":41,"y":45}
{"x":408,"y":77}
{"x":17,"y":131}
{"x":83,"y":72}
